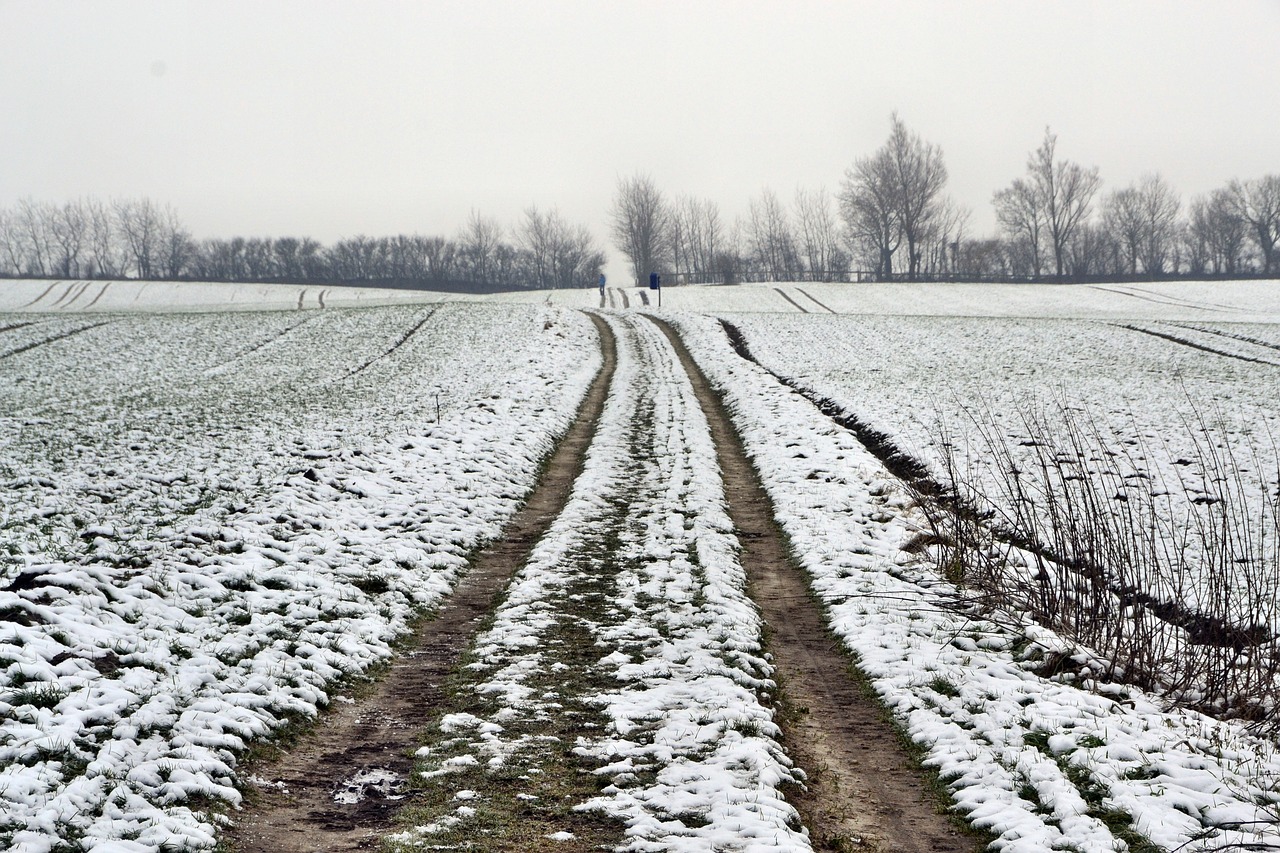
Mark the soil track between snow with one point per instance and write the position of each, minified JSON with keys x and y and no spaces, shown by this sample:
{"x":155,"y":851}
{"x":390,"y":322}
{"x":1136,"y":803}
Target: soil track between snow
{"x":296,"y":809}
{"x":787,"y":297}
{"x":1193,"y":345}
{"x":863,"y":793}
{"x":58,"y":337}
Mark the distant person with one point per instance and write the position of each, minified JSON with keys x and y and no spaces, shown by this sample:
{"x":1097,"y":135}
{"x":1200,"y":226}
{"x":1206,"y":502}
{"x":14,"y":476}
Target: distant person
{"x":602,"y":285}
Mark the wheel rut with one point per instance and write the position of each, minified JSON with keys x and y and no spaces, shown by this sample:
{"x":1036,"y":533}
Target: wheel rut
{"x":863,"y":792}
{"x":294,"y":809}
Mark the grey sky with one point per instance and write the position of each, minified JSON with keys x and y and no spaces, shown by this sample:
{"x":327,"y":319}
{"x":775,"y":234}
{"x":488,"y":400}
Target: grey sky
{"x":334,"y":119}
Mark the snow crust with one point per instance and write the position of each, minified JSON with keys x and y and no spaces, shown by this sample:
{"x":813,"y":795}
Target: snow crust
{"x":1040,"y":763}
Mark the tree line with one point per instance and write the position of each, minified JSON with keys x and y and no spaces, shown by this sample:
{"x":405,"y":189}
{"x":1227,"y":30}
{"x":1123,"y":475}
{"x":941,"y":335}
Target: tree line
{"x":142,"y":239}
{"x":892,"y":218}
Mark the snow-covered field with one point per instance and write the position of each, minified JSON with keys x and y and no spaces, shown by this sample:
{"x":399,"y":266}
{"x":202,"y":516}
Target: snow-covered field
{"x":1037,"y":761}
{"x":80,"y":296}
{"x":213,"y":513}
{"x":209,"y":518}
{"x":940,"y":385}
{"x":1210,"y":301}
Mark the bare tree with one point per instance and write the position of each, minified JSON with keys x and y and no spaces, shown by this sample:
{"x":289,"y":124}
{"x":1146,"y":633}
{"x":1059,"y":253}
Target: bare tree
{"x":982,"y":258}
{"x":478,"y":242}
{"x":868,"y":205}
{"x":770,"y":242}
{"x":1258,"y":204}
{"x":12,"y":250}
{"x":103,"y":245}
{"x":1122,"y":221}
{"x":34,"y":220}
{"x":175,"y":248}
{"x":541,"y":235}
{"x":641,"y":223}
{"x":1064,"y":191}
{"x":1022,"y":219}
{"x":69,"y":227}
{"x":141,"y":225}
{"x":1216,"y":234}
{"x":697,"y":237}
{"x":819,"y":238}
{"x":919,"y":175}
{"x":442,"y":258}
{"x":942,"y":239}
{"x":1160,"y":206}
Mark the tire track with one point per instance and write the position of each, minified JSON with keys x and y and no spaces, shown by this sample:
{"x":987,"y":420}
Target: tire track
{"x":80,"y":292}
{"x":1190,"y":303}
{"x":58,"y":337}
{"x":70,"y":287}
{"x":301,"y":296}
{"x":1193,"y":345}
{"x":1159,"y":299}
{"x":785,"y":296}
{"x":644,"y":298}
{"x":862,"y":792}
{"x":815,"y":300}
{"x":626,"y":303}
{"x":298,"y":814}
{"x":403,"y":340}
{"x":99,"y":296}
{"x":320,"y":298}
{"x":42,"y":295}
{"x":15,"y":326}
{"x":1228,"y":335}
{"x":251,"y":350}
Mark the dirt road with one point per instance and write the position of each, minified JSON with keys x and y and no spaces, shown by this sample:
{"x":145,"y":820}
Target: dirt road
{"x":863,"y":793}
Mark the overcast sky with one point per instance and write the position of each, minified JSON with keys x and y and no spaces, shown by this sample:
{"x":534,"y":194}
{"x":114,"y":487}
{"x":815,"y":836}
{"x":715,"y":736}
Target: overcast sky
{"x":332,"y":119}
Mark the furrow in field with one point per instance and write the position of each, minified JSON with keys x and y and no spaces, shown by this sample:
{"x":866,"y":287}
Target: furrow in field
{"x":816,"y":301}
{"x":1196,"y":346}
{"x":217,"y":368}
{"x":1163,"y":299}
{"x":1235,"y":337}
{"x":621,"y":681}
{"x":787,"y":297}
{"x":190,"y":565}
{"x":1199,"y":626}
{"x":99,"y":296}
{"x":399,"y":343}
{"x":43,"y":294}
{"x":50,"y":340}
